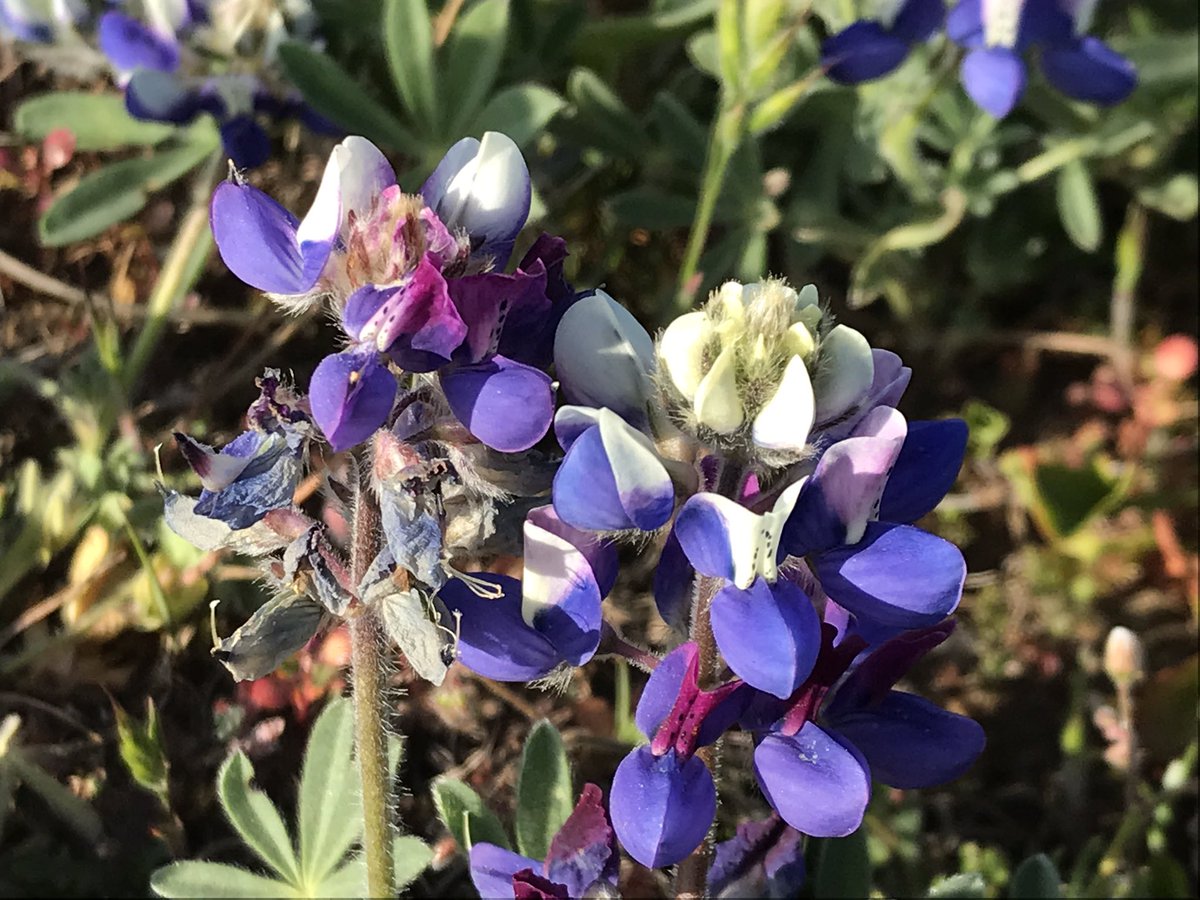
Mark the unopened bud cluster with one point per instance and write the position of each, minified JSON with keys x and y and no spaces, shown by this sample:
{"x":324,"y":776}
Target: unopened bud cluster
{"x":759,"y":368}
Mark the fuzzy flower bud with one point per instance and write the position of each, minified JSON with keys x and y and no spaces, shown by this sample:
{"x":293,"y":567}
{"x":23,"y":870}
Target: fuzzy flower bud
{"x":754,"y":372}
{"x":1124,"y":658}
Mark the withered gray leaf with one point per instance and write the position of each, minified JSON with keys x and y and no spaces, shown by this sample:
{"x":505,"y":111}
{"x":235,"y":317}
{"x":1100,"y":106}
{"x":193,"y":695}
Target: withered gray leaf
{"x":406,"y":617}
{"x":279,"y":628}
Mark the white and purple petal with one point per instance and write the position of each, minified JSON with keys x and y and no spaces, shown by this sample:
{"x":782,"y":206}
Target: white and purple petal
{"x":662,"y":806}
{"x":604,"y":357}
{"x":612,"y":480}
{"x":769,"y":634}
{"x":494,"y":640}
{"x":818,"y":785}
{"x":560,"y":594}
{"x":482,"y":187}
{"x":507,"y":405}
{"x":258,"y":240}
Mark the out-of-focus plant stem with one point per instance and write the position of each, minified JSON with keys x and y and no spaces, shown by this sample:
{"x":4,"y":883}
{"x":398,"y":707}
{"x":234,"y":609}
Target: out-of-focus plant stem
{"x":184,"y":262}
{"x":727,"y":133}
{"x":1130,"y":257}
{"x":367,"y":665}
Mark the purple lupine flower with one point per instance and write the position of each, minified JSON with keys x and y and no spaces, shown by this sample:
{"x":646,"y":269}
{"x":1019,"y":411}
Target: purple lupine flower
{"x":663,"y":797}
{"x":722,"y":539}
{"x":886,"y":571}
{"x":581,"y":861}
{"x":871,"y":48}
{"x":421,"y":292}
{"x":820,"y":751}
{"x":523,"y":630}
{"x":39,"y":21}
{"x":764,"y":858}
{"x":996,"y":33}
{"x":166,"y":80}
{"x":258,"y":471}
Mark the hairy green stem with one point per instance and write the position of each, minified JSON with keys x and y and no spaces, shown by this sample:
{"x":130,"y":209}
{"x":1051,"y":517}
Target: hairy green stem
{"x":367,"y":663}
{"x":726,"y":135}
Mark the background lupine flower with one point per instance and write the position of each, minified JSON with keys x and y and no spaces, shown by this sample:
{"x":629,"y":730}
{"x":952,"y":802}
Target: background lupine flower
{"x":582,"y":859}
{"x":871,"y":48}
{"x":166,"y":80}
{"x":39,"y":21}
{"x":411,"y":288}
{"x":818,"y":776}
{"x":997,"y":34}
{"x":663,"y":797}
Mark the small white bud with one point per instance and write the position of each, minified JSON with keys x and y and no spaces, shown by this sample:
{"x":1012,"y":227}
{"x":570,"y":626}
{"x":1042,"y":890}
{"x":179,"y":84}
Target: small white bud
{"x":785,"y":422}
{"x":1124,"y":659}
{"x":682,"y":350}
{"x":846,"y":369}
{"x":717,"y":403}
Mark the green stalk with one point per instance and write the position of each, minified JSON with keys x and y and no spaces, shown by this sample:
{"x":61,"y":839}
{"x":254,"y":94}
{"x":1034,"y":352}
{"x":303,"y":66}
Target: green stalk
{"x":184,"y":262}
{"x":368,"y":672}
{"x":726,"y":135}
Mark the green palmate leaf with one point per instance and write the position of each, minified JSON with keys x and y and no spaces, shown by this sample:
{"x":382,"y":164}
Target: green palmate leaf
{"x":1078,"y":207}
{"x":474,"y":51}
{"x":843,"y":867}
{"x":98,"y":121}
{"x":522,"y":112}
{"x":408,"y":40}
{"x":119,"y":191}
{"x":332,"y":92}
{"x":1036,"y":877}
{"x":604,"y":116}
{"x":965,"y":884}
{"x":329,"y":803}
{"x":464,"y":813}
{"x":209,"y":879}
{"x":141,"y":748}
{"x":544,"y":794}
{"x":255,"y":817}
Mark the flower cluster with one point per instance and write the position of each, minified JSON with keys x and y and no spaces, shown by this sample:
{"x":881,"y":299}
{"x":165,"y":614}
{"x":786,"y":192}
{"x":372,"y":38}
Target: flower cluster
{"x":755,"y":443}
{"x":760,"y":443}
{"x":178,"y":59}
{"x":996,"y":34}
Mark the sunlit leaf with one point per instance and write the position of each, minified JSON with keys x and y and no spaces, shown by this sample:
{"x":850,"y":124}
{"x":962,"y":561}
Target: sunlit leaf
{"x":97,"y":121}
{"x":464,"y":813}
{"x":255,"y":817}
{"x":544,"y":793}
